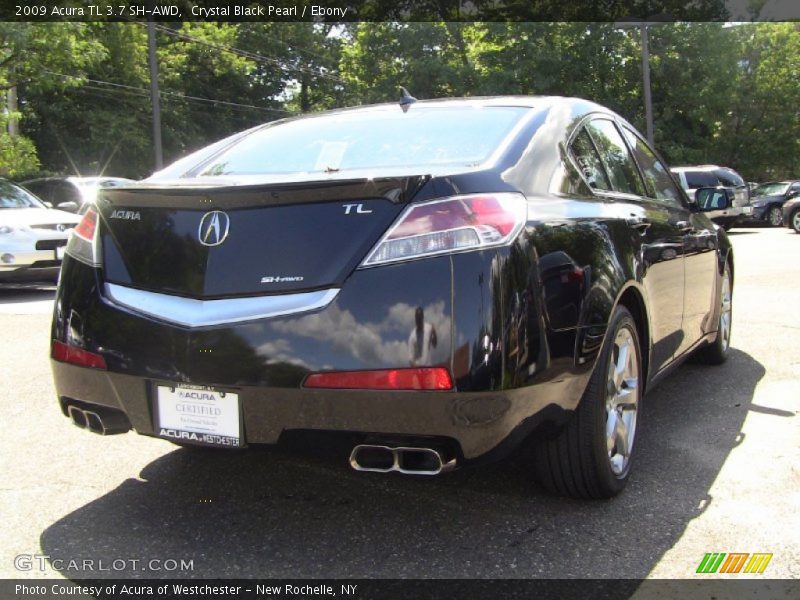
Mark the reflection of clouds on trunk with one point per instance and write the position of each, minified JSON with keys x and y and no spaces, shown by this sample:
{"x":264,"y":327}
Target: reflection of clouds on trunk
{"x":383,"y":343}
{"x":280,"y":351}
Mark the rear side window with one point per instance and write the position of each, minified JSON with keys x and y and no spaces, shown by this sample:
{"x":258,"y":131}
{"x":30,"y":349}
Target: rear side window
{"x":584,"y":153}
{"x":616,"y":158}
{"x":66,"y":192}
{"x":698,"y":179}
{"x":729,"y":178}
{"x":656,"y":177}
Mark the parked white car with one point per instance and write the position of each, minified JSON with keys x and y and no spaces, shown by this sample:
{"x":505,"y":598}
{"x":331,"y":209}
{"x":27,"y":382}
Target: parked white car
{"x":32,"y":236}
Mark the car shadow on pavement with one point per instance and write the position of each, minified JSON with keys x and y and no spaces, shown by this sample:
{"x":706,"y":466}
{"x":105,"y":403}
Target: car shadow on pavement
{"x":24,"y":292}
{"x":301,"y":512}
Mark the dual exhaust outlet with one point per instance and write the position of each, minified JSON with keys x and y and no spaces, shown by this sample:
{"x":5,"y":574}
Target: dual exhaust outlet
{"x":101,"y":421}
{"x":408,"y":460}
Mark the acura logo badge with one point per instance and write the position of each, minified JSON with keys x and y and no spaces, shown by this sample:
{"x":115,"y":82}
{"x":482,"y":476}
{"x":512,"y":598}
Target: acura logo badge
{"x":213,"y":228}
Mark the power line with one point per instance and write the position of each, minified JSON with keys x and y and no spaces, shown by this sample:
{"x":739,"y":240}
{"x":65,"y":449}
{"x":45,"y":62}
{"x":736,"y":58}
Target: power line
{"x":136,"y":94}
{"x":168,"y":94}
{"x":247,"y":54}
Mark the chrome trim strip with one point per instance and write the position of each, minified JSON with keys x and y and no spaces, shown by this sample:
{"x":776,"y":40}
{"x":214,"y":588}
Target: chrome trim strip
{"x":202,"y":313}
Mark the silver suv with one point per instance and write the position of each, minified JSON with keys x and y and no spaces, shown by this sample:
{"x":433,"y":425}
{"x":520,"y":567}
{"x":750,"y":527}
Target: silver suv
{"x":691,"y":178}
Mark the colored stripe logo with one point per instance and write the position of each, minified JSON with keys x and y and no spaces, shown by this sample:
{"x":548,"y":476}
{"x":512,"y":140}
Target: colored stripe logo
{"x":735,"y":562}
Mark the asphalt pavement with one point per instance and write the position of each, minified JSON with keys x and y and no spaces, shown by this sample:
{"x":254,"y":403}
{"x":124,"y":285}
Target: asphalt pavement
{"x":717,"y":470}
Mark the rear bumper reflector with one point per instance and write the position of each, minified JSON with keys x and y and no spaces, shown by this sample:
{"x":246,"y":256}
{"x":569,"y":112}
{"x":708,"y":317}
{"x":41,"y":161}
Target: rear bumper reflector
{"x":77,"y":356}
{"x":427,"y":378}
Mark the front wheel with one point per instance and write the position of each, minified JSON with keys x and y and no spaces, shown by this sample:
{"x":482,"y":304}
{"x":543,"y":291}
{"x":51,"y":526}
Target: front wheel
{"x":775,"y":216}
{"x":591,"y":456}
{"x":795,"y":221}
{"x":716,"y":352}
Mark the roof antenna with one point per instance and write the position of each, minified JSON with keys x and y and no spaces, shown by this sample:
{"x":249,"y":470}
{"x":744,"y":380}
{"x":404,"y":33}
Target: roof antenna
{"x":406,"y":99}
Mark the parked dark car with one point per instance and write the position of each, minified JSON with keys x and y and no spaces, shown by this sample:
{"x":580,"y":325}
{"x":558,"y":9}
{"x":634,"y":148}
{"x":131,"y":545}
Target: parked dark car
{"x":769,"y":198}
{"x":693,"y":178}
{"x":71,"y":193}
{"x":791,"y":214}
{"x":436,"y":284}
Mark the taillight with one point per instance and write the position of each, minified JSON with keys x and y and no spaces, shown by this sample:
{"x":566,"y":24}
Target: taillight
{"x":77,"y":356}
{"x":82,"y":243}
{"x":427,"y":378}
{"x":451,"y":225}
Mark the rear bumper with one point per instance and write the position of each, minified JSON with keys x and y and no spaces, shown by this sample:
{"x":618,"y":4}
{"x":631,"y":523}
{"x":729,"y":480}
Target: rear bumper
{"x":730,"y":216}
{"x":482,"y":425}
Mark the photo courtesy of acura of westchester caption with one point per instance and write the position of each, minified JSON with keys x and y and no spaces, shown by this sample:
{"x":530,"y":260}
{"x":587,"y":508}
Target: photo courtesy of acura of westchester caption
{"x":439,"y":280}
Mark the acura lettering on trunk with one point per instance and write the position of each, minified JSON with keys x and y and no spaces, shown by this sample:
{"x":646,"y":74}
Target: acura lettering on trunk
{"x":437,"y":282}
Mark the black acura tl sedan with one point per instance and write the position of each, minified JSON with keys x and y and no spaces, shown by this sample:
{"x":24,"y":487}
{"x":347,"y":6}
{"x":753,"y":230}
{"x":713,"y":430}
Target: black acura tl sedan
{"x":439,"y":283}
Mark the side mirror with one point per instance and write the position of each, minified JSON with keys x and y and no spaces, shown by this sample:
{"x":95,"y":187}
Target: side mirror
{"x":68,"y":206}
{"x":793,"y":194}
{"x":708,"y":199}
{"x":47,"y":204}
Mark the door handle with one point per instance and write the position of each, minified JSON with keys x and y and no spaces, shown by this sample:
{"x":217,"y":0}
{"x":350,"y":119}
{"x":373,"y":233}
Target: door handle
{"x":684,"y":226}
{"x":639,"y":223}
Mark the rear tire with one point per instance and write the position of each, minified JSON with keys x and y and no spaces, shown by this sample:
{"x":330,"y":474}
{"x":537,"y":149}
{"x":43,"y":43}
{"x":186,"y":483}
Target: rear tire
{"x":795,"y":221}
{"x":591,"y":456}
{"x":717,"y":352}
{"x":775,"y":216}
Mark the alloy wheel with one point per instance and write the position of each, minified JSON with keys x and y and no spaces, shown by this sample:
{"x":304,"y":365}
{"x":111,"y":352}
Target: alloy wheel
{"x":775,"y":216}
{"x":622,"y":401}
{"x":725,"y":311}
{"x":796,"y":221}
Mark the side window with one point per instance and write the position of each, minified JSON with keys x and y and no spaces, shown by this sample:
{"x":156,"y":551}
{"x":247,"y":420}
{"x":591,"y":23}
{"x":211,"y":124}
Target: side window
{"x":698,"y":179}
{"x":657,"y":179}
{"x":66,"y":192}
{"x":616,"y":158}
{"x":585,"y":155}
{"x":39,"y":189}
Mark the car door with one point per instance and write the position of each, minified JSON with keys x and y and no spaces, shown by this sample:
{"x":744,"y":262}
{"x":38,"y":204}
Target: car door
{"x":659,"y":227}
{"x":699,"y":241}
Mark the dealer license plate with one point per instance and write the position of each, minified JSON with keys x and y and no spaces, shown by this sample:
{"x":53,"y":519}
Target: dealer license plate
{"x":748,"y":210}
{"x":198,"y":415}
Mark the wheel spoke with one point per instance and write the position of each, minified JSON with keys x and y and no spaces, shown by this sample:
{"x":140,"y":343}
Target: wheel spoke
{"x":626,"y":398}
{"x":622,"y":437}
{"x":611,"y":430}
{"x":621,"y":366}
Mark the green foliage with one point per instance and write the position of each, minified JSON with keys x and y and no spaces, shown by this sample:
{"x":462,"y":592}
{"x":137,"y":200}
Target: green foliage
{"x":17,"y":155}
{"x":723,"y":94}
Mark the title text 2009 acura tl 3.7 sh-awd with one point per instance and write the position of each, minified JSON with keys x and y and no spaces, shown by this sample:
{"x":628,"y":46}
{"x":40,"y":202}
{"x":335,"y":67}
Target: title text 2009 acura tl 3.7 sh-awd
{"x":439,"y":282}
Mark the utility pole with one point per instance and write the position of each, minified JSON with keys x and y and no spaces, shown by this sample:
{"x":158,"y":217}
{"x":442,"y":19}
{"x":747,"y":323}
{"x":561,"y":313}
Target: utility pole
{"x":154,"y":95}
{"x":646,"y":91}
{"x":648,"y":100}
{"x":11,"y":103}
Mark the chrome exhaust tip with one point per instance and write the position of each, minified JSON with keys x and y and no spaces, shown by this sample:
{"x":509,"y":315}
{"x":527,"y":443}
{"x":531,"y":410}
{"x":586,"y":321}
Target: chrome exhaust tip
{"x":409,"y":460}
{"x":94,"y":422}
{"x":77,"y":416}
{"x":99,"y":420}
{"x":368,"y":457}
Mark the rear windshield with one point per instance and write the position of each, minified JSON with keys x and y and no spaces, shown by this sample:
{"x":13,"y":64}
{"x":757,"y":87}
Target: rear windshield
{"x":698,"y":179}
{"x":424,"y":136}
{"x":12,"y":196}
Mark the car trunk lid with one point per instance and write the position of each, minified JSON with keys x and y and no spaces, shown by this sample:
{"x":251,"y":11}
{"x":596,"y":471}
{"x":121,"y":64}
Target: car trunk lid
{"x":216,"y":242}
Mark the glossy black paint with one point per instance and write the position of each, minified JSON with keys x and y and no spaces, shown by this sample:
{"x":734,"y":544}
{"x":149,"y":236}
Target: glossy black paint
{"x":519,"y":327}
